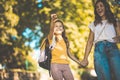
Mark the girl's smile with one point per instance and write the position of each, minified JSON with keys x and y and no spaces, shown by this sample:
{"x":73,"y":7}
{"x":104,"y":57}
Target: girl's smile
{"x":58,"y":28}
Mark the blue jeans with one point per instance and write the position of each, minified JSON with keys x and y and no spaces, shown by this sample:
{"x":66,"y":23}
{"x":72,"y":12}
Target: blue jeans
{"x":107,"y":61}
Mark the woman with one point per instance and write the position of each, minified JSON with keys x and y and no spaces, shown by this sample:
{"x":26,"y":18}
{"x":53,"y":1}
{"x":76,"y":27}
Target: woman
{"x":60,"y":50}
{"x":103,"y":34}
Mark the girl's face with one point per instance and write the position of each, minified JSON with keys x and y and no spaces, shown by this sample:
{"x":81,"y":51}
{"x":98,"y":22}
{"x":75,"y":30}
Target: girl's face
{"x":100,"y":9}
{"x":58,"y":28}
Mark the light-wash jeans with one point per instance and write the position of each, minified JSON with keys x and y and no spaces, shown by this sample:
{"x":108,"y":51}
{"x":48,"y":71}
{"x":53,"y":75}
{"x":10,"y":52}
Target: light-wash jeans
{"x":61,"y":72}
{"x":107,"y":61}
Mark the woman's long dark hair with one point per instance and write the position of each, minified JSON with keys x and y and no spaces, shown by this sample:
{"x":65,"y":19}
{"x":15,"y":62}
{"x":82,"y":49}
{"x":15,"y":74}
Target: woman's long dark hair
{"x":64,"y":34}
{"x":108,"y":13}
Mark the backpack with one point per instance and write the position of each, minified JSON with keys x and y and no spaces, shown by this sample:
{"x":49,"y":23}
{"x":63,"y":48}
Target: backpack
{"x":45,"y":55}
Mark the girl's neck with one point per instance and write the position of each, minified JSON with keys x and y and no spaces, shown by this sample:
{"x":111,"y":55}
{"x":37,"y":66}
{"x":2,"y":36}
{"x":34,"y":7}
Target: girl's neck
{"x":59,"y":37}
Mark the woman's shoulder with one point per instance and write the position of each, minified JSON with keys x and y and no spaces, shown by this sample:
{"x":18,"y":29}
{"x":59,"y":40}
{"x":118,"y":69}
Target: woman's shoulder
{"x":91,"y":24}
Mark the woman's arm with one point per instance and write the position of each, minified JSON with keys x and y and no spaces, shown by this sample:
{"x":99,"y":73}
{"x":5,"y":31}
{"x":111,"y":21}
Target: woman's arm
{"x":88,"y":48}
{"x":89,"y":44}
{"x":117,"y":29}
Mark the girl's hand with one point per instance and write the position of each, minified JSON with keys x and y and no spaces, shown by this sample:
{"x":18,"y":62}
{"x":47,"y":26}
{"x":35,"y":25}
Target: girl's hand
{"x":53,"y":16}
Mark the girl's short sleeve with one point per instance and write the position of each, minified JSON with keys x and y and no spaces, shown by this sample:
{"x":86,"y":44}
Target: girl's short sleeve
{"x":92,"y":26}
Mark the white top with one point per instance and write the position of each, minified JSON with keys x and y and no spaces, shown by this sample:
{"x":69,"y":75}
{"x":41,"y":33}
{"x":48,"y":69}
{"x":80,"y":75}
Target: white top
{"x":107,"y":34}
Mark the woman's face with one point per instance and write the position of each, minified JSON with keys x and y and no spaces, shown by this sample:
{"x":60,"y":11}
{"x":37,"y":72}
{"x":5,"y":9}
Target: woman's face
{"x":100,"y":9}
{"x":58,"y":28}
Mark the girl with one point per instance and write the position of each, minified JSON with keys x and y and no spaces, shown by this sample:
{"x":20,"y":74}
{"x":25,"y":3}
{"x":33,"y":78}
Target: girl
{"x":60,"y":51}
{"x":103,"y":33}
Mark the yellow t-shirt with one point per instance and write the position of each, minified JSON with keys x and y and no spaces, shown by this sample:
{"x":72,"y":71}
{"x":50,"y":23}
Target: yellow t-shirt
{"x":59,"y":52}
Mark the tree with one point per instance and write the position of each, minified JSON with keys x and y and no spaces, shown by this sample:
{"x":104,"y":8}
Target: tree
{"x":17,"y":16}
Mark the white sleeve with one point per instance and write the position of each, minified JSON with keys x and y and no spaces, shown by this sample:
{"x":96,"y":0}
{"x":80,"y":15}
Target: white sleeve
{"x":52,"y":45}
{"x":92,"y":26}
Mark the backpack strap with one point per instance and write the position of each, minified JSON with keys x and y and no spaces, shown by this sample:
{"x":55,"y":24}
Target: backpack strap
{"x":49,"y":53}
{"x":43,"y":42}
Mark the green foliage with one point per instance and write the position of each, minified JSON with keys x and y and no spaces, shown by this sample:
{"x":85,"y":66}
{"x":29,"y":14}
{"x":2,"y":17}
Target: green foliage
{"x":17,"y":15}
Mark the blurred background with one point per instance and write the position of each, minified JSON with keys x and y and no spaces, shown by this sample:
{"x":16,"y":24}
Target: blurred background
{"x":23,"y":25}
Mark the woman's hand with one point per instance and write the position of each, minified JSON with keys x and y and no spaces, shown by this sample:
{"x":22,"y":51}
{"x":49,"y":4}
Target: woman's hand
{"x":117,"y":39}
{"x":84,"y":63}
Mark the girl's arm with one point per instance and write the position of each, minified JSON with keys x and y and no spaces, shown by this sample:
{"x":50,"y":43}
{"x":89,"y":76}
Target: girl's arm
{"x":53,"y":19}
{"x":73,"y":57}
